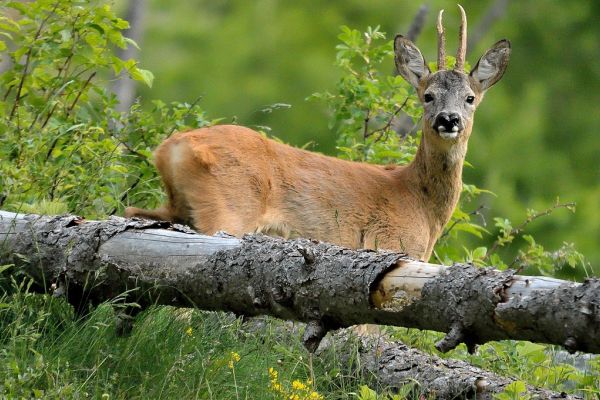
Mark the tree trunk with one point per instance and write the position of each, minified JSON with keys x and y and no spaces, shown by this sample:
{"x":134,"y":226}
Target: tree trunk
{"x":125,"y":87}
{"x":324,"y":285}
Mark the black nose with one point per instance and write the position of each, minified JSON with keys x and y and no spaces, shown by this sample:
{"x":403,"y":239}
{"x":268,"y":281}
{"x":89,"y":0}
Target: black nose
{"x":446,"y":122}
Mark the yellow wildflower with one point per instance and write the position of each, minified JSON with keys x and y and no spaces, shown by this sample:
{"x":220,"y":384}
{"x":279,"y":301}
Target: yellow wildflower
{"x":233,"y":358}
{"x":315,"y":396}
{"x":297,"y":385}
{"x":189,"y":331}
{"x":273,"y":373}
{"x":294,"y":396}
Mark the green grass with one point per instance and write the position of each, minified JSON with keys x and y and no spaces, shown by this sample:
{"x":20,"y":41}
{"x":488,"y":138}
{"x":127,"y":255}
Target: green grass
{"x":46,"y":352}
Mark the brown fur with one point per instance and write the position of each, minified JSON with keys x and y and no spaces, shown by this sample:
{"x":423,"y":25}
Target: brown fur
{"x":231,"y":178}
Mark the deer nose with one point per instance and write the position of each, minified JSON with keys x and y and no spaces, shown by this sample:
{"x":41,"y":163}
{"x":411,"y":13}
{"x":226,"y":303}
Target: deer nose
{"x":447,"y":122}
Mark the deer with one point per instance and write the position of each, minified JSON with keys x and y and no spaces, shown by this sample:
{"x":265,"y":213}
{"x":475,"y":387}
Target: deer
{"x":231,"y":178}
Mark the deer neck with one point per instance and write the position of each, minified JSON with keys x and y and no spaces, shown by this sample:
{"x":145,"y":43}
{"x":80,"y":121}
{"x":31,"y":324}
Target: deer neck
{"x":437,"y":173}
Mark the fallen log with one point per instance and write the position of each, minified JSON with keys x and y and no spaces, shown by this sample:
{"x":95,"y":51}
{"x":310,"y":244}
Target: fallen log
{"x":394,"y":364}
{"x":324,"y":285}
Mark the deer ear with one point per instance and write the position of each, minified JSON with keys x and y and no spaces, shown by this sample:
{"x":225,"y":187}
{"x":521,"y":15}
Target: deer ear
{"x":410,"y":63}
{"x":492,"y":64}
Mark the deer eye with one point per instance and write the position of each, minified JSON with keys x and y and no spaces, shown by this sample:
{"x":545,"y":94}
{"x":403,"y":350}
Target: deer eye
{"x":470,"y":99}
{"x":428,"y":98}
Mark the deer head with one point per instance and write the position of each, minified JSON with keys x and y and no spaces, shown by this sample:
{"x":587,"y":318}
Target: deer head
{"x":450,"y":97}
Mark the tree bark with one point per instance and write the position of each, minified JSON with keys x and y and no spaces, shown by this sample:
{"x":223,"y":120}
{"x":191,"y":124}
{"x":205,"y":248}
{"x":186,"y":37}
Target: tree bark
{"x":324,"y":285}
{"x":394,"y":364}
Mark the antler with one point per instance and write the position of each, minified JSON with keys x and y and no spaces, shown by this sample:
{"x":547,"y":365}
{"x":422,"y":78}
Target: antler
{"x":462,"y":41}
{"x":441,"y":43}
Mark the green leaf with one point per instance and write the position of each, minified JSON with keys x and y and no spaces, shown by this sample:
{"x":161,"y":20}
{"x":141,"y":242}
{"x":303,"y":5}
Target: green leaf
{"x":468,"y":227}
{"x":96,"y":27}
{"x":479,"y":253}
{"x":5,"y":267}
{"x":131,"y":42}
{"x":121,"y":23}
{"x":142,"y":75}
{"x":367,"y":393}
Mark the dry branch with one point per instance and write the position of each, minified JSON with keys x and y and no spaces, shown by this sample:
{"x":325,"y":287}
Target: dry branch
{"x":324,"y":285}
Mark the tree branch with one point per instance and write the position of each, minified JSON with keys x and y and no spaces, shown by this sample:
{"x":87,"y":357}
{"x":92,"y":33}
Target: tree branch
{"x":530,"y":218}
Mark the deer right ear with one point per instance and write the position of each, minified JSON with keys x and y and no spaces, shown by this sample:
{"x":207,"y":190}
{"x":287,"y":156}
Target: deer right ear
{"x":491,"y":66}
{"x":409,"y":61}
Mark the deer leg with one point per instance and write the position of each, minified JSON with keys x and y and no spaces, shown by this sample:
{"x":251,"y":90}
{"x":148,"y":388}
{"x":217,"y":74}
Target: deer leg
{"x":160,"y":214}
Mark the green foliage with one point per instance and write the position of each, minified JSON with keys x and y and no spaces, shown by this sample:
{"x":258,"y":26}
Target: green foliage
{"x":407,"y":391}
{"x":45,"y":352}
{"x":367,"y":99}
{"x":514,"y":391}
{"x":62,"y":142}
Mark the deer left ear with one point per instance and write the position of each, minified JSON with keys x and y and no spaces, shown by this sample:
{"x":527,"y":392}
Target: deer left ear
{"x":409,"y":61}
{"x":492,"y":64}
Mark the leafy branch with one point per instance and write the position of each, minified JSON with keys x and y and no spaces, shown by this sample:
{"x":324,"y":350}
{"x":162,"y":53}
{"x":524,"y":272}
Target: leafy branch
{"x":28,"y":60}
{"x":508,"y":232}
{"x":388,"y":124}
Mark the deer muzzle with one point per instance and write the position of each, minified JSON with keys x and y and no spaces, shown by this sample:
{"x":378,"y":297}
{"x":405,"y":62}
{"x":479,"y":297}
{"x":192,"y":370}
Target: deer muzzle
{"x":448,"y":125}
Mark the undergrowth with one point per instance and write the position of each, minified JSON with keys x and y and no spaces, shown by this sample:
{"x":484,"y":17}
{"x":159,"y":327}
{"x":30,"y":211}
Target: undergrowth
{"x":47,"y":352}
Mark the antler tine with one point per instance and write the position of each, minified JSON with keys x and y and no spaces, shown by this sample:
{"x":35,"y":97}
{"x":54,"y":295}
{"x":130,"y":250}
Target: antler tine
{"x":462,"y":41}
{"x":441,"y":43}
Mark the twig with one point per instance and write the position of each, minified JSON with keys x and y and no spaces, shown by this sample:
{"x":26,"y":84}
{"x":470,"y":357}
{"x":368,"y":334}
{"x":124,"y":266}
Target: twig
{"x":53,"y":145}
{"x":387,"y":125}
{"x":528,"y":220}
{"x":49,"y":115}
{"x":28,"y":60}
{"x":85,"y":85}
{"x":7,"y":93}
{"x":61,"y":69}
{"x":126,"y":193}
{"x":132,"y":150}
{"x":477,"y":211}
{"x":366,"y":124}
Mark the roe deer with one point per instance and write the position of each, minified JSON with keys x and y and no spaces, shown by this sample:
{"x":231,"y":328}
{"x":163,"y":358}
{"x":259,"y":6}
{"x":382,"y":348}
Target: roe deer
{"x":231,"y":178}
